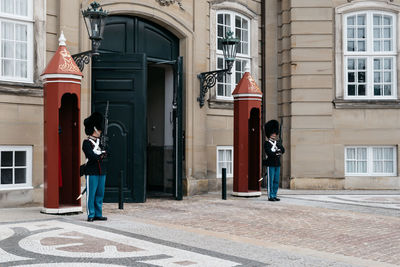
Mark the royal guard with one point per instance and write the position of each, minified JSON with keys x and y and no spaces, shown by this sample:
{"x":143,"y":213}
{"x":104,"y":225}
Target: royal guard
{"x":95,"y":168}
{"x":274,"y":149}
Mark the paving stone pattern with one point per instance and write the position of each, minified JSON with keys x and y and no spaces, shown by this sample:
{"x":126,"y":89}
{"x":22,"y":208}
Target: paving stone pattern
{"x":365,"y":236}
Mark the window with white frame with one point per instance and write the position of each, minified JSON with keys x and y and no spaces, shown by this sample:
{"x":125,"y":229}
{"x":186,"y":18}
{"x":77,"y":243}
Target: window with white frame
{"x":370,"y":161}
{"x":15,"y":166}
{"x":16,"y":37}
{"x":369,"y":41}
{"x":225,"y":160}
{"x":240,"y":26}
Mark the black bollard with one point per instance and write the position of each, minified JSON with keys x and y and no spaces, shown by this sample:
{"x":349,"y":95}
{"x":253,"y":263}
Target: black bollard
{"x":121,"y":191}
{"x":224,"y":183}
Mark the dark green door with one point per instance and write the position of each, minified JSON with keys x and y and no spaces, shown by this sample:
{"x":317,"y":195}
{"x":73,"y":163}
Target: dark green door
{"x":121,"y":80}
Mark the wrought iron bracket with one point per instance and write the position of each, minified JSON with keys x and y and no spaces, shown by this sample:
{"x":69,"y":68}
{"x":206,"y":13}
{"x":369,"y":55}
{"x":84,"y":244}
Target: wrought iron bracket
{"x":207,"y":81}
{"x":82,"y":58}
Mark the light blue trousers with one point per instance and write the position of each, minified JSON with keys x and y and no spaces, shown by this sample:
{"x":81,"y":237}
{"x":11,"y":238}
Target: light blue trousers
{"x":273,"y":181}
{"x":94,"y":195}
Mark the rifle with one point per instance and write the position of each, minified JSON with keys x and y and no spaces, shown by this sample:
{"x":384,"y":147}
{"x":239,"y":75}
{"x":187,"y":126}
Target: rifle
{"x":104,"y":136}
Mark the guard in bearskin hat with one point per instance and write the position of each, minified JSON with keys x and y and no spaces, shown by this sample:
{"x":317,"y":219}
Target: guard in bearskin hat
{"x":274,"y":149}
{"x":95,"y":168}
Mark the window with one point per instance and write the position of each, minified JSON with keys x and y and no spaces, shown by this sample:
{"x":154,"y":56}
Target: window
{"x":240,"y":25}
{"x":224,"y":160}
{"x":369,"y":41}
{"x":371,"y":161}
{"x":15,"y":167}
{"x":16,"y":37}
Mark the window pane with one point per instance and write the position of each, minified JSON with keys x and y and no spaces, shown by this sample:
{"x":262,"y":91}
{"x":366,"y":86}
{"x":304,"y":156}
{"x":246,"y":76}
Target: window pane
{"x":377,"y":77}
{"x":6,"y":176}
{"x":20,"y":51}
{"x":20,"y":176}
{"x":350,"y":20}
{"x":350,"y":33}
{"x":361,"y":19}
{"x":387,"y":33}
{"x":350,"y":77}
{"x":21,"y":7}
{"x":351,"y":89}
{"x":21,"y":69}
{"x":220,"y":18}
{"x":220,"y":31}
{"x":350,"y":46}
{"x":8,"y":49}
{"x":377,"y":64}
{"x":361,"y":77}
{"x":377,"y":153}
{"x":361,"y":45}
{"x":361,"y":89}
{"x":388,"y":77}
{"x":238,"y":22}
{"x":7,"y":6}
{"x":387,"y":45}
{"x":8,"y":68}
{"x":351,"y":153}
{"x":351,"y":166}
{"x":220,"y":89}
{"x":362,"y":154}
{"x":227,"y":19}
{"x":377,"y":46}
{"x":377,"y":33}
{"x":7,"y":30}
{"x":377,"y":89}
{"x":378,"y":166}
{"x":388,"y":167}
{"x":387,"y":20}
{"x":361,"y":33}
{"x":388,"y":63}
{"x":388,"y":153}
{"x":361,"y":64}
{"x":387,"y":90}
{"x":6,"y":158}
{"x":221,"y":155}
{"x":350,"y":64}
{"x":362,"y":167}
{"x":20,"y":158}
{"x":377,"y":20}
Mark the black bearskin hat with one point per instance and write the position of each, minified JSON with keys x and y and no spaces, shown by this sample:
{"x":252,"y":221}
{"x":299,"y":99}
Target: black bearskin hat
{"x":271,"y":127}
{"x":94,"y":120}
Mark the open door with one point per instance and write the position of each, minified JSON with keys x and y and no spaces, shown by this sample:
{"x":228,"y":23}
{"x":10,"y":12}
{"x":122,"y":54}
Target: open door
{"x":178,"y":128}
{"x":122,"y":80}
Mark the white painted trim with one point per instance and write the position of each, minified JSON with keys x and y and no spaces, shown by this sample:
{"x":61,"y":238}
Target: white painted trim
{"x":364,"y":5}
{"x":67,"y":76}
{"x":251,"y":95}
{"x":61,"y":81}
{"x":16,"y":188}
{"x":369,"y":160}
{"x":28,"y":167}
{"x":254,"y":99}
{"x":61,"y":210}
{"x":247,"y":194}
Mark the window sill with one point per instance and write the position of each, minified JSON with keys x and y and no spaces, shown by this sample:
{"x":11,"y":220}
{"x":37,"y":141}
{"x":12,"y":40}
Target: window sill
{"x":366,"y":104}
{"x":220,"y":104}
{"x":24,"y":89}
{"x":16,"y":188}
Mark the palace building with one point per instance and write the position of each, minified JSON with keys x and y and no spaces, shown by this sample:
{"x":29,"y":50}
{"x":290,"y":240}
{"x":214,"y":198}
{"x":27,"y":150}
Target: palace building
{"x":327,"y":70}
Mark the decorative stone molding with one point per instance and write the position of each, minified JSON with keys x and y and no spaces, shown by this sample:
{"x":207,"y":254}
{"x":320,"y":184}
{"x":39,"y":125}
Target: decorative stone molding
{"x":170,"y":2}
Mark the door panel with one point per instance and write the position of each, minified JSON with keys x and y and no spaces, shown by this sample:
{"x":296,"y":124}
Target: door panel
{"x":178,"y":129}
{"x":121,"y":80}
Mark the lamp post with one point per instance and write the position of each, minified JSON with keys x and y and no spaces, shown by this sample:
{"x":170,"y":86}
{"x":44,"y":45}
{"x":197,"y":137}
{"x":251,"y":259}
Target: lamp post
{"x":208,"y":79}
{"x":94,"y":20}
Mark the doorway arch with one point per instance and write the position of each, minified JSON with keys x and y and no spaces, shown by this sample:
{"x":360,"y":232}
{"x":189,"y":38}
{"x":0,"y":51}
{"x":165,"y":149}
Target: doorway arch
{"x":135,"y":53}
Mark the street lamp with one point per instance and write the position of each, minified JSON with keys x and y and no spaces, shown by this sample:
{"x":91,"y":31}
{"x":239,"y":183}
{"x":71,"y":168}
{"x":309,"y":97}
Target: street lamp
{"x":208,"y":79}
{"x":95,"y":19}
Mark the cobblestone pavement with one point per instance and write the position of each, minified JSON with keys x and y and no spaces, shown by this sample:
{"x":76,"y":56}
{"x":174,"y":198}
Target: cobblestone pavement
{"x":300,"y":230}
{"x":363,"y":236}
